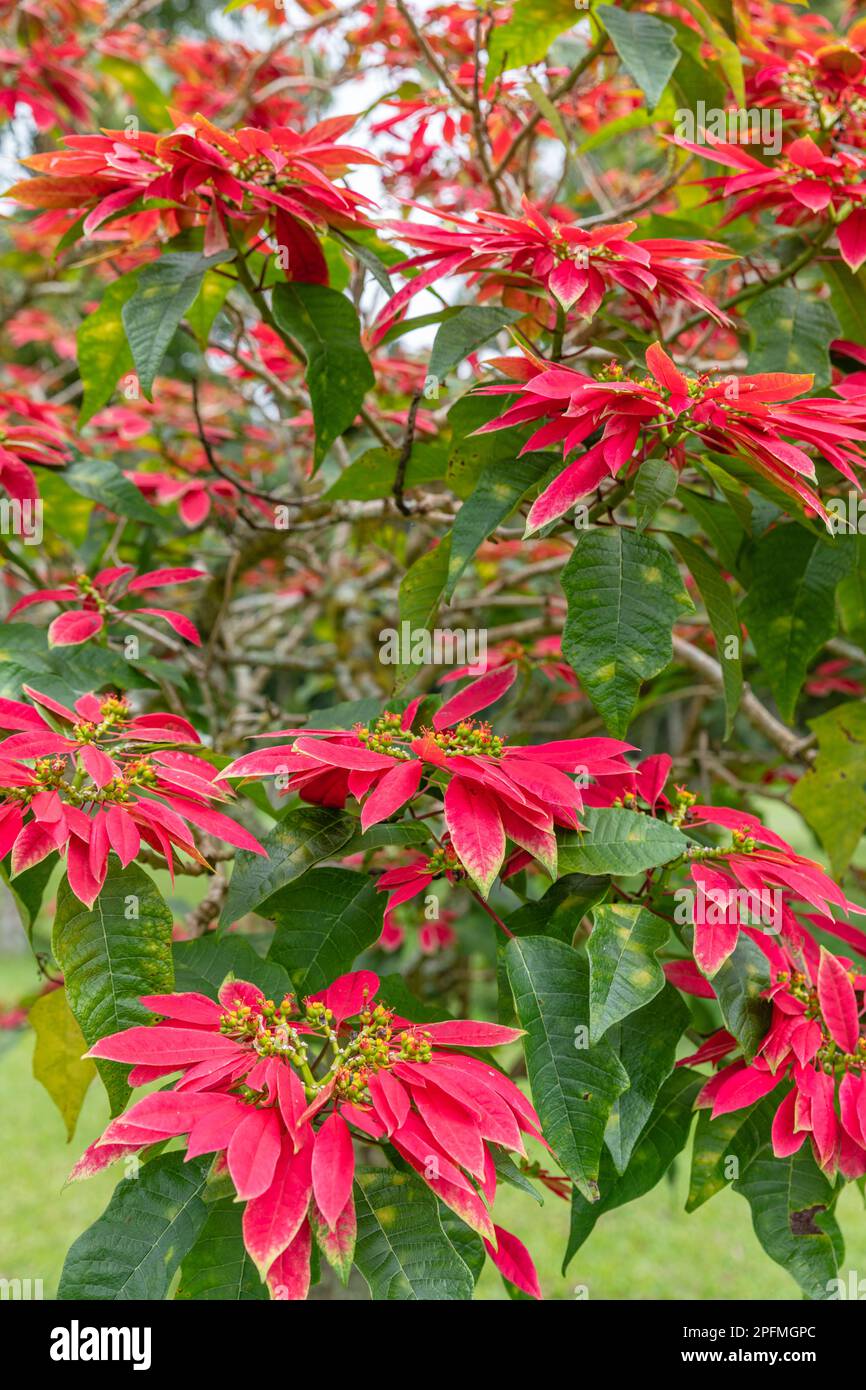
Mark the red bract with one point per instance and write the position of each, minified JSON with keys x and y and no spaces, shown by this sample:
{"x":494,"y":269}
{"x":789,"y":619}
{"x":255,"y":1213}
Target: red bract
{"x":28,"y":436}
{"x":815,"y":1042}
{"x":493,"y":791}
{"x":249,"y":1092}
{"x":101,"y":782}
{"x":509,"y":257}
{"x":802,"y":184}
{"x":193,"y":495}
{"x":97,"y":600}
{"x":279,"y":179}
{"x":754,"y":417}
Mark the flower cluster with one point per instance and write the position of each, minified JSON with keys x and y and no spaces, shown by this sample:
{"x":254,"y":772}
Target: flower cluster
{"x":754,"y":417}
{"x":524,"y":260}
{"x":29,"y":434}
{"x":127,"y":186}
{"x":96,"y":603}
{"x":815,"y":1042}
{"x":493,"y":791}
{"x":281,"y":1090}
{"x":803,"y":183}
{"x":93,"y":779}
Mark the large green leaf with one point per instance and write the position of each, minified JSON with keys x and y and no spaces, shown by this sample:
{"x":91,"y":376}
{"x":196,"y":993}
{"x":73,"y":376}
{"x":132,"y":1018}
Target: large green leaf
{"x":402,"y":1249}
{"x":619,"y":842}
{"x":790,"y":607}
{"x":624,"y":595}
{"x":499,"y":489}
{"x":110,"y":955}
{"x":739,"y":983}
{"x":102,"y":481}
{"x":218,"y":1266}
{"x":791,"y":1202}
{"x":646,"y":45}
{"x":791,"y":331}
{"x":624,"y":973}
{"x":470,"y":328}
{"x":646,"y":1044}
{"x":200,"y":966}
{"x":375,"y":472}
{"x":724,"y":1147}
{"x":560,"y":911}
{"x":655,"y":484}
{"x":419,"y":597}
{"x":325,"y":324}
{"x":166,"y":289}
{"x":663,"y":1138}
{"x":103,"y":352}
{"x":848,"y":297}
{"x":526,"y":35}
{"x":722,"y":613}
{"x":574,"y":1083}
{"x":133,"y":1251}
{"x":304,"y":837}
{"x":323,"y":923}
{"x":28,"y":888}
{"x":831,"y":795}
{"x":58,"y":1060}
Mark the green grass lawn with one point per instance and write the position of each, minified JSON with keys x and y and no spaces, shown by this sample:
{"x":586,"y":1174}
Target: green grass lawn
{"x":650,"y":1249}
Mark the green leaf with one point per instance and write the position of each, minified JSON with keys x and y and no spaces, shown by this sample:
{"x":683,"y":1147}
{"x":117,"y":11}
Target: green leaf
{"x":663,"y":1138}
{"x":375,"y":472}
{"x":323,"y":923}
{"x":574,"y":1084}
{"x":656,"y":484}
{"x":58,"y":1060}
{"x":624,"y":973}
{"x":737,"y":1136}
{"x":110,"y":955}
{"x":499,"y":489}
{"x":722,"y":37}
{"x":791,"y":332}
{"x":847,"y":296}
{"x":528,"y":33}
{"x":471,"y":453}
{"x":560,"y":910}
{"x":325,"y":324}
{"x":28,"y":888}
{"x":791,"y":1202}
{"x":624,"y":594}
{"x":722,"y":613}
{"x":402,"y":833}
{"x":210,"y":299}
{"x":218,"y":1266}
{"x":202,"y":965}
{"x":146,"y":98}
{"x":646,"y":1044}
{"x":402,"y":1249}
{"x":418,"y":601}
{"x":166,"y":289}
{"x":135,"y":1248}
{"x":739,"y":983}
{"x":719,"y":523}
{"x":831,"y":795}
{"x":102,"y":481}
{"x":461,"y":335}
{"x":619,"y":842}
{"x":646,"y":45}
{"x":103,"y":352}
{"x":790,"y":607}
{"x":304,"y":837}
{"x":369,"y":258}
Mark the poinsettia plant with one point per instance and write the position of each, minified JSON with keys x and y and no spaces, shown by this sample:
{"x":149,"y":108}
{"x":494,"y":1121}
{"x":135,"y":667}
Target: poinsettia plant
{"x":433,"y":696}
